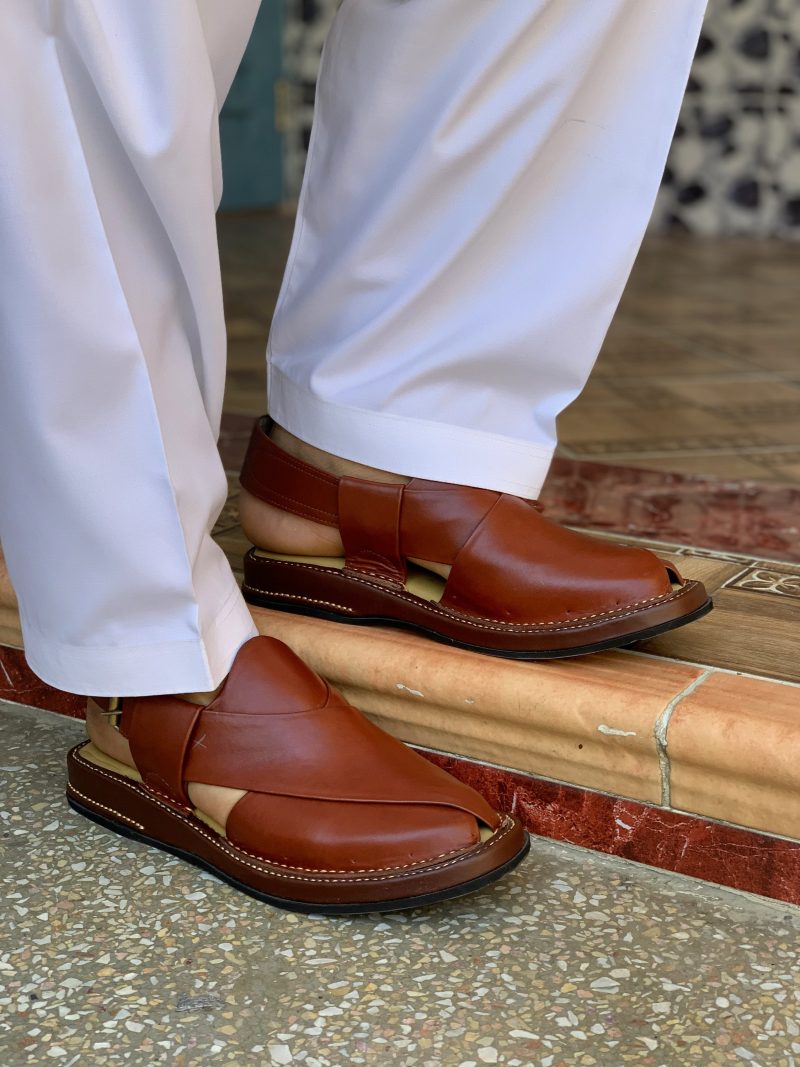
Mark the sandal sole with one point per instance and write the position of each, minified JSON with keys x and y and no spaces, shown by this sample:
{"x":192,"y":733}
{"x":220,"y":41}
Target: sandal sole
{"x":118,"y":792}
{"x":303,"y":589}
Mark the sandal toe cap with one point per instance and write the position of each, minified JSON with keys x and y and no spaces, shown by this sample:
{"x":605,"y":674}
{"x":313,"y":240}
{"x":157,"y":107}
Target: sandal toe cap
{"x":348,"y":837}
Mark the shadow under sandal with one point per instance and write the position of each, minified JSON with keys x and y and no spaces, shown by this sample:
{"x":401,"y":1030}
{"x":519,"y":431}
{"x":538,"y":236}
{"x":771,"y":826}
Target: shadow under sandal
{"x":339,"y":817}
{"x":520,"y":586}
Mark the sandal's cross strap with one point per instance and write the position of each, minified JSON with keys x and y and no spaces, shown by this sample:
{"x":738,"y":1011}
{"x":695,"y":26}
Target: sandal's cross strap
{"x":277,"y":728}
{"x":160,"y":731}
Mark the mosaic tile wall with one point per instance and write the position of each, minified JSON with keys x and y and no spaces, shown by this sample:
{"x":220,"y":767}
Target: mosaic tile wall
{"x":735,"y":163}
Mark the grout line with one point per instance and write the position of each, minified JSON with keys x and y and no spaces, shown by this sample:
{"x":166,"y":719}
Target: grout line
{"x":676,"y":548}
{"x":728,"y":583}
{"x":711,"y":378}
{"x":660,"y":734}
{"x":577,"y":452}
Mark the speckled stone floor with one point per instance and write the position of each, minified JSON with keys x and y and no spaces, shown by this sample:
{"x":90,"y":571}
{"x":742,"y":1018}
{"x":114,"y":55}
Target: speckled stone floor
{"x":113,"y":953}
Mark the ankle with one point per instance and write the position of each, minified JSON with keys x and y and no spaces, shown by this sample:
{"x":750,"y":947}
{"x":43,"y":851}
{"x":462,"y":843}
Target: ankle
{"x":105,"y":735}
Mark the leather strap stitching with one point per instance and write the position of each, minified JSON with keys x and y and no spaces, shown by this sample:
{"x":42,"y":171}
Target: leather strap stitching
{"x":297,"y":506}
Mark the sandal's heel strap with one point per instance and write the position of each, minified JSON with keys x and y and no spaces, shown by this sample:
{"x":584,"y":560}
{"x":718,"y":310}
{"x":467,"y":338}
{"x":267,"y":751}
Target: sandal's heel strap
{"x":286,"y":482}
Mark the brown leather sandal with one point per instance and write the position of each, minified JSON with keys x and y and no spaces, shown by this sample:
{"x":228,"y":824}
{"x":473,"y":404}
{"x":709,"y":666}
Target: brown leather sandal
{"x":339,"y":817}
{"x":520,"y":586}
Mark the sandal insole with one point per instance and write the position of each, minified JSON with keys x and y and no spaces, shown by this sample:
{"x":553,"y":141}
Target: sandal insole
{"x":419,"y":582}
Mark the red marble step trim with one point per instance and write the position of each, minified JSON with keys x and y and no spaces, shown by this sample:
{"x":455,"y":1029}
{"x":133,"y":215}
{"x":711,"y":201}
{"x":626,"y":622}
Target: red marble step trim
{"x":659,"y":837}
{"x":20,"y":685}
{"x":753,"y":518}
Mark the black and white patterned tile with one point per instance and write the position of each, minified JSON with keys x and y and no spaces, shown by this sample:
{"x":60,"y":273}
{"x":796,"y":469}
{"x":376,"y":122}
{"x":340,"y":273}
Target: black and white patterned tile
{"x":734,"y":167}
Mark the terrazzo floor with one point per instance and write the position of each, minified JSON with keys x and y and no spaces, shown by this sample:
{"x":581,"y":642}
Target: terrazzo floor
{"x":113,"y":953}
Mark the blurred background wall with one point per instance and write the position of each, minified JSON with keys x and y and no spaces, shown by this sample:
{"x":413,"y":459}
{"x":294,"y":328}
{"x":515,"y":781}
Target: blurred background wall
{"x":735,"y":162}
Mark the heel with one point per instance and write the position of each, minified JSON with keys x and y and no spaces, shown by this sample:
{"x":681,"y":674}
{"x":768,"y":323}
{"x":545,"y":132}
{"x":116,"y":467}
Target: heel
{"x":101,"y":792}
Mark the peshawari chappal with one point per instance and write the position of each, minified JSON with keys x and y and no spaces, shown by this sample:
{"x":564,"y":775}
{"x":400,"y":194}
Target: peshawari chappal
{"x":519,"y":585}
{"x":336,"y":816}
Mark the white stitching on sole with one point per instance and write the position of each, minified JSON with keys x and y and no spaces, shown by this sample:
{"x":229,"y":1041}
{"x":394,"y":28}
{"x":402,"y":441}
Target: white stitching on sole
{"x":514,"y":627}
{"x":112,"y":811}
{"x":305,"y":599}
{"x":265,"y":866}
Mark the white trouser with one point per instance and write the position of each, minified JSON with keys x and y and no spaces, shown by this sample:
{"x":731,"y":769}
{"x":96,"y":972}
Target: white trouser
{"x":112,"y":339}
{"x":480,"y":178}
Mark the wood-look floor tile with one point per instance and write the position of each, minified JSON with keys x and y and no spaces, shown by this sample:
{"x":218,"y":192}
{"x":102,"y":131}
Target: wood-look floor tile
{"x":755,"y":632}
{"x":721,"y":465}
{"x":644,"y":358}
{"x":783,"y":467}
{"x":760,"y":396}
{"x":783,"y":431}
{"x":713,"y":573}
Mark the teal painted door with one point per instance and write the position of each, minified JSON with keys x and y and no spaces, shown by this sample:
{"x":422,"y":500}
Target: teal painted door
{"x":251,"y":145}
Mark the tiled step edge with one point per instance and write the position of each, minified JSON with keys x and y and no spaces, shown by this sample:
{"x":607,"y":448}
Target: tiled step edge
{"x":660,"y":837}
{"x":684,"y":737}
{"x":682,"y":767}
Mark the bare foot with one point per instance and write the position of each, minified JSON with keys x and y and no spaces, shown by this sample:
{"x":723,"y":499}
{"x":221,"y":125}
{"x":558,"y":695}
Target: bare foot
{"x":276,"y":530}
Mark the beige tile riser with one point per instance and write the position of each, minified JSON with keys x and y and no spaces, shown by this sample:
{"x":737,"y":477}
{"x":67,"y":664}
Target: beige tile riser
{"x":733,"y":745}
{"x":10,"y":632}
{"x":589,"y":722}
{"x":611,"y":765}
{"x":755,"y":804}
{"x":391,"y":660}
{"x":734,"y":753}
